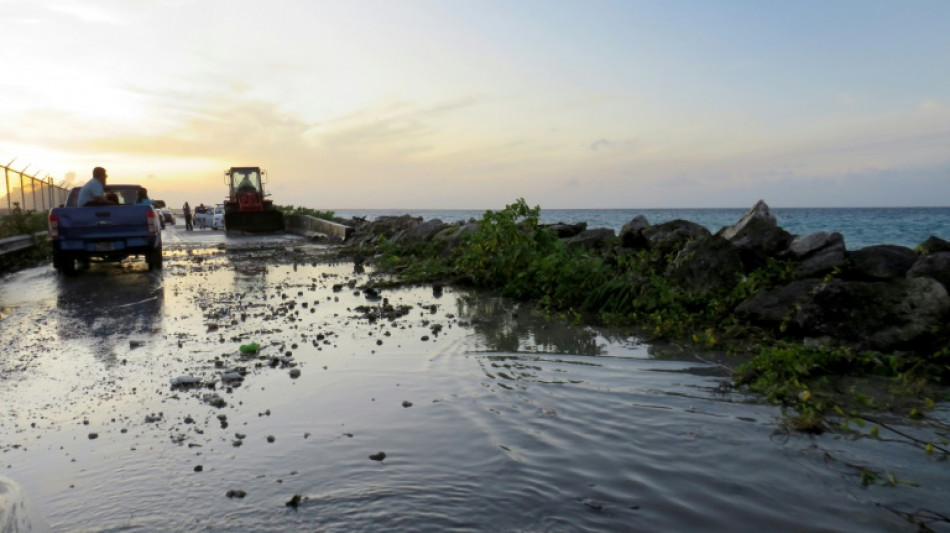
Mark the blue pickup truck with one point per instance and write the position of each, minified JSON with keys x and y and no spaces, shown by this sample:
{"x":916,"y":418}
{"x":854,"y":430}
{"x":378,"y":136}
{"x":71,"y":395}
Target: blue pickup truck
{"x":104,"y":232}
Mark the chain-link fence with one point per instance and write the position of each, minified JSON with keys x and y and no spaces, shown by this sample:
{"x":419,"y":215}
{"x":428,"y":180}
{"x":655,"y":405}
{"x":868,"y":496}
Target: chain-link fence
{"x":30,"y":193}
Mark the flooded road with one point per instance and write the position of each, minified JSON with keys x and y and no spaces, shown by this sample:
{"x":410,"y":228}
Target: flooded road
{"x":128,"y":404}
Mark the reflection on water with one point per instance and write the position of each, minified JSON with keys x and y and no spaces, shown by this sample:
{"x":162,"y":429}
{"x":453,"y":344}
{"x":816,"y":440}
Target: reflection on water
{"x":110,"y":306}
{"x":507,"y":326}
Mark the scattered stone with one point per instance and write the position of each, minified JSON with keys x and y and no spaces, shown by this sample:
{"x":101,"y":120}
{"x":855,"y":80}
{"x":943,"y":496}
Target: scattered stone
{"x":372,"y":293}
{"x":232,"y":376}
{"x":270,"y":438}
{"x":199,"y":468}
{"x":378,"y":456}
{"x":407,"y":403}
{"x":93,"y":436}
{"x":235,"y":493}
{"x":294,"y":373}
{"x":294,"y":501}
{"x":185,"y":382}
{"x":594,"y":504}
{"x":214,"y":400}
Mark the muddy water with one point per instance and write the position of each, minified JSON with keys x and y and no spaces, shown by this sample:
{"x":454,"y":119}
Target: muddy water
{"x":490,"y":416}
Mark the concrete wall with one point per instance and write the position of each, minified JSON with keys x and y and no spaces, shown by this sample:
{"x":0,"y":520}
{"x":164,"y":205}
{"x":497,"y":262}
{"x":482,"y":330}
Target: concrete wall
{"x":312,"y":227}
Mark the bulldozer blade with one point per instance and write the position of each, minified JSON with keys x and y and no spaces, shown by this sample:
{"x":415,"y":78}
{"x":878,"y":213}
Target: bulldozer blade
{"x":254,"y":222}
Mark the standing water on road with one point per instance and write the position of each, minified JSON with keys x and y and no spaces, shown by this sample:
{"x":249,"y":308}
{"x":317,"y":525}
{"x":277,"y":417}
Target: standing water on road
{"x":130,"y":405}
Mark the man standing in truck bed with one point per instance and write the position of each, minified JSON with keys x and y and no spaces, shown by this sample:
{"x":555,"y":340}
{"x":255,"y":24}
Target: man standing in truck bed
{"x":94,"y":191}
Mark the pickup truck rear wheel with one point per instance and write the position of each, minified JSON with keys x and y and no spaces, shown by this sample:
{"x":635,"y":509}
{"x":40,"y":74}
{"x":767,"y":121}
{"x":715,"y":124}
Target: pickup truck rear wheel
{"x":65,"y":263}
{"x":154,"y":259}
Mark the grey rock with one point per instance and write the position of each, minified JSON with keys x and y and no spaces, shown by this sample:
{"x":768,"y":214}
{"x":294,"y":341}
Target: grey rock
{"x":631,"y":234}
{"x":706,"y":266}
{"x":818,"y":253}
{"x":760,"y":213}
{"x":807,"y":245}
{"x":592,"y":239}
{"x":670,"y":237}
{"x":565,"y":231}
{"x":935,"y":265}
{"x":757,"y":236}
{"x":185,"y":381}
{"x":773,"y":307}
{"x":880,"y":315}
{"x":451,"y":236}
{"x":881,"y":262}
{"x":422,"y":232}
{"x":934,"y":244}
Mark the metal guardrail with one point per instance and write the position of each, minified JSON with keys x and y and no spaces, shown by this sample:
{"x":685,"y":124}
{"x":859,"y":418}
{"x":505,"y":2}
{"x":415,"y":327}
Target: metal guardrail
{"x":19,"y":242}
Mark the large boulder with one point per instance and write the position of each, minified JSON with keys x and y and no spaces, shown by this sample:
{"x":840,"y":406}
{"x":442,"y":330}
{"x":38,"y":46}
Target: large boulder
{"x":670,"y":237}
{"x":450,"y":237}
{"x":592,"y":239}
{"x":775,"y":307}
{"x":387,"y":226}
{"x":881,"y":262}
{"x":934,"y":244}
{"x":757,"y":235}
{"x":706,"y":266}
{"x":631,"y":234}
{"x":423,"y":232}
{"x":880,"y":315}
{"x":817,"y":254}
{"x":936,"y":266}
{"x":565,"y":231}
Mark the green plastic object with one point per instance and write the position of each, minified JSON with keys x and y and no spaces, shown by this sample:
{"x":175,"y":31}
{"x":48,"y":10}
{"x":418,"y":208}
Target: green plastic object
{"x":250,"y":348}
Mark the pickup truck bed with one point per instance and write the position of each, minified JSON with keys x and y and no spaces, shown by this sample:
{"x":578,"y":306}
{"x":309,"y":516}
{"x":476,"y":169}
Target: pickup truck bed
{"x":104,"y":232}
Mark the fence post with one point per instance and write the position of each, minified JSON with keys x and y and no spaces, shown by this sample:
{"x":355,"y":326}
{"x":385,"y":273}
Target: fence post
{"x":6,"y":177}
{"x":33,"y":190}
{"x":22,"y":192}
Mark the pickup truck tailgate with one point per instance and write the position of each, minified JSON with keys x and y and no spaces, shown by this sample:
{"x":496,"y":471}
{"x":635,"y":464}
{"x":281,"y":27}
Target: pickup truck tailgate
{"x":107,"y":228}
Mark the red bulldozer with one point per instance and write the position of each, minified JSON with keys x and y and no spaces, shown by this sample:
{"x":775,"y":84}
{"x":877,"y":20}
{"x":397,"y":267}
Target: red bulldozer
{"x":246,"y":209}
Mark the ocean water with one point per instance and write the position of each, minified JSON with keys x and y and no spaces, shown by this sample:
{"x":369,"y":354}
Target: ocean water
{"x":861,"y":226}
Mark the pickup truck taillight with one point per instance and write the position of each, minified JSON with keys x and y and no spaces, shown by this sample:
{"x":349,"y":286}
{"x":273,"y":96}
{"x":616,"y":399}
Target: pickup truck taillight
{"x":151,"y":220}
{"x":53,"y":221}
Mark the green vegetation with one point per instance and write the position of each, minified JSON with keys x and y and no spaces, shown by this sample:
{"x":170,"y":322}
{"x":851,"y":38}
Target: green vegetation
{"x":291,"y":210}
{"x":19,"y":222}
{"x":510,"y":252}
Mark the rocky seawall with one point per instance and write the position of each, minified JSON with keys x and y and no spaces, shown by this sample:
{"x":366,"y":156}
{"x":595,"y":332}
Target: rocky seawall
{"x":886,"y":298}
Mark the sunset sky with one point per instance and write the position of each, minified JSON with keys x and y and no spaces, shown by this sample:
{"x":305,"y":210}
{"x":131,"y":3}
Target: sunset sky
{"x":474,"y":103}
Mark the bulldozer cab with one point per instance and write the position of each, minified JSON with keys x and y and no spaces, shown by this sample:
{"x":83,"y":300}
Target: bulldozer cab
{"x":245,"y":180}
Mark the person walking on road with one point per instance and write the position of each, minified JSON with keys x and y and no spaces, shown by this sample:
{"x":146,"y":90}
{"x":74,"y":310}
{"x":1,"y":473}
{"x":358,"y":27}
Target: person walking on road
{"x":189,"y":226}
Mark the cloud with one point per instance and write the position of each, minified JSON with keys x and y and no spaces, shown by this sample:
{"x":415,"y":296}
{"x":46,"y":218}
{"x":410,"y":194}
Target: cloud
{"x":85,"y":12}
{"x":603,"y":144}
